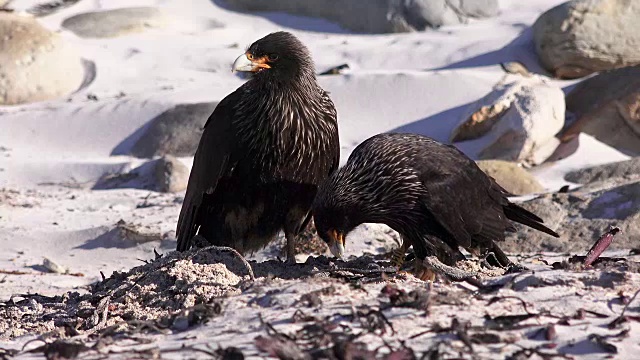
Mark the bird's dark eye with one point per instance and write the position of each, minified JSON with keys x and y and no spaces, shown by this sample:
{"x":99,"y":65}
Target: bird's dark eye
{"x":250,"y":56}
{"x":272,"y":57}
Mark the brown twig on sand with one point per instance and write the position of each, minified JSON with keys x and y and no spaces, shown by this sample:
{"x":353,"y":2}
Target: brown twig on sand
{"x":233,"y":251}
{"x":16,"y":272}
{"x":626,"y":306}
{"x":600,"y":246}
{"x":622,"y":318}
{"x":455,"y":274}
{"x":495,"y":299}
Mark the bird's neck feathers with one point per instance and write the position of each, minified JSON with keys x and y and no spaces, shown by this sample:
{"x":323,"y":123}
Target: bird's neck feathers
{"x":279,"y":105}
{"x":286,"y":126}
{"x":377,"y":195}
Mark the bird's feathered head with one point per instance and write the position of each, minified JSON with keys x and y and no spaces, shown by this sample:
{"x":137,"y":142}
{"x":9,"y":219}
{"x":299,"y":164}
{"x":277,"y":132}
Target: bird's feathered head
{"x":374,"y":186}
{"x":341,"y":203}
{"x":277,"y":55}
{"x":334,"y":215}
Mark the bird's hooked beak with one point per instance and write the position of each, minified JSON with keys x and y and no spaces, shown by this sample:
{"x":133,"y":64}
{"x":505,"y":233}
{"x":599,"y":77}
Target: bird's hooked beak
{"x":249,"y":63}
{"x":336,"y":243}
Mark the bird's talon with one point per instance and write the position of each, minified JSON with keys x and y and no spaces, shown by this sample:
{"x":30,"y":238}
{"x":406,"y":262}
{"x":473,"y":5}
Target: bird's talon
{"x":492,"y":260}
{"x":427,"y":275}
{"x":423,"y":273}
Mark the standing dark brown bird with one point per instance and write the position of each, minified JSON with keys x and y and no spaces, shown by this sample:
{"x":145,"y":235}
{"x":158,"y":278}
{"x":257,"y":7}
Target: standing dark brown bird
{"x":432,"y":194}
{"x":264,"y":151}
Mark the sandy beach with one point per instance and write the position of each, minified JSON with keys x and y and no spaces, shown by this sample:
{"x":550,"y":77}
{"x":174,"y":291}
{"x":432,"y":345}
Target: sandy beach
{"x":81,"y":216}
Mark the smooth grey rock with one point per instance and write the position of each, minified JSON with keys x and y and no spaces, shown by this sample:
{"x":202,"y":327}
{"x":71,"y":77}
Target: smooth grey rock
{"x":379,"y":16}
{"x":581,"y":218}
{"x":607,"y":107}
{"x":166,"y":174}
{"x":619,"y":203}
{"x":623,"y":169}
{"x":35,"y":63}
{"x":510,"y":176}
{"x":112,"y":23}
{"x":118,"y":22}
{"x":580,"y":37}
{"x":176,"y":131}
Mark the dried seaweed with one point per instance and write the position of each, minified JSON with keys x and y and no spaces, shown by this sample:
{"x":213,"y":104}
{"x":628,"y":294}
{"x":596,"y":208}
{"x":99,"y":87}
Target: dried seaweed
{"x":280,"y":347}
{"x":624,"y":318}
{"x":313,"y":298}
{"x":61,"y":349}
{"x":140,"y":300}
{"x":507,"y":322}
{"x":417,"y":299}
{"x":373,"y":320}
{"x":329,"y":338}
{"x":540,"y":351}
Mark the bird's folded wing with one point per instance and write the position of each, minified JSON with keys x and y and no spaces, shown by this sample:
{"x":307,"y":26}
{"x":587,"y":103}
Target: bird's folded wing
{"x":213,"y":160}
{"x":464,"y":200}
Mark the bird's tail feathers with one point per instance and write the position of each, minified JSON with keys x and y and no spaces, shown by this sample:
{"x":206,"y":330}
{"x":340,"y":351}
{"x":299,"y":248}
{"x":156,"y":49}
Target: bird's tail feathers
{"x":186,"y":229}
{"x":526,"y":217}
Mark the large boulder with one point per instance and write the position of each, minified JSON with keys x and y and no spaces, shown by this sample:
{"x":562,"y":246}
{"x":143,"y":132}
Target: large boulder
{"x":607,"y":107}
{"x":35,"y":63}
{"x":379,"y":16}
{"x":124,"y":21}
{"x":517,"y":121}
{"x":176,"y":131}
{"x":511,"y":176}
{"x":580,"y":217}
{"x":629,"y":169}
{"x":580,"y":37}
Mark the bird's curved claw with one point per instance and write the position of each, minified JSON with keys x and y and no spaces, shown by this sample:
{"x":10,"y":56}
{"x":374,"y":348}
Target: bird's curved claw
{"x":422,"y":272}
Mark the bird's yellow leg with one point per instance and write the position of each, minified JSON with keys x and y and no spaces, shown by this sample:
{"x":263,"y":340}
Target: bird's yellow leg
{"x":397,"y":256}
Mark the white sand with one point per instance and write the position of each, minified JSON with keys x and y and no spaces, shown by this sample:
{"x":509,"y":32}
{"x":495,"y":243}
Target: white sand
{"x":54,"y":151}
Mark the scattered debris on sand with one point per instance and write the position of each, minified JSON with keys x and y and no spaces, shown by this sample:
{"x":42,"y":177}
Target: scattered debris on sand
{"x":333,"y":309}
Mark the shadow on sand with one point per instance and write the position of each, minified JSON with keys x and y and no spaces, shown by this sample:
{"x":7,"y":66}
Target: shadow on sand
{"x":437,"y":126}
{"x":285,"y":20}
{"x":521,"y":49}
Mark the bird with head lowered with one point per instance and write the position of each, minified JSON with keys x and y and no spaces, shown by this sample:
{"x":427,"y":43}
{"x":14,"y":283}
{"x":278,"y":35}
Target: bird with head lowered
{"x":433,"y":195}
{"x":263,"y":152}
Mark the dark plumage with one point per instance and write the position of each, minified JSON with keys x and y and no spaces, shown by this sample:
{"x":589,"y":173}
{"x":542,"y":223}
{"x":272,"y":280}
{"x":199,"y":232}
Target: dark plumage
{"x":263,"y":153}
{"x":432,"y":194}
